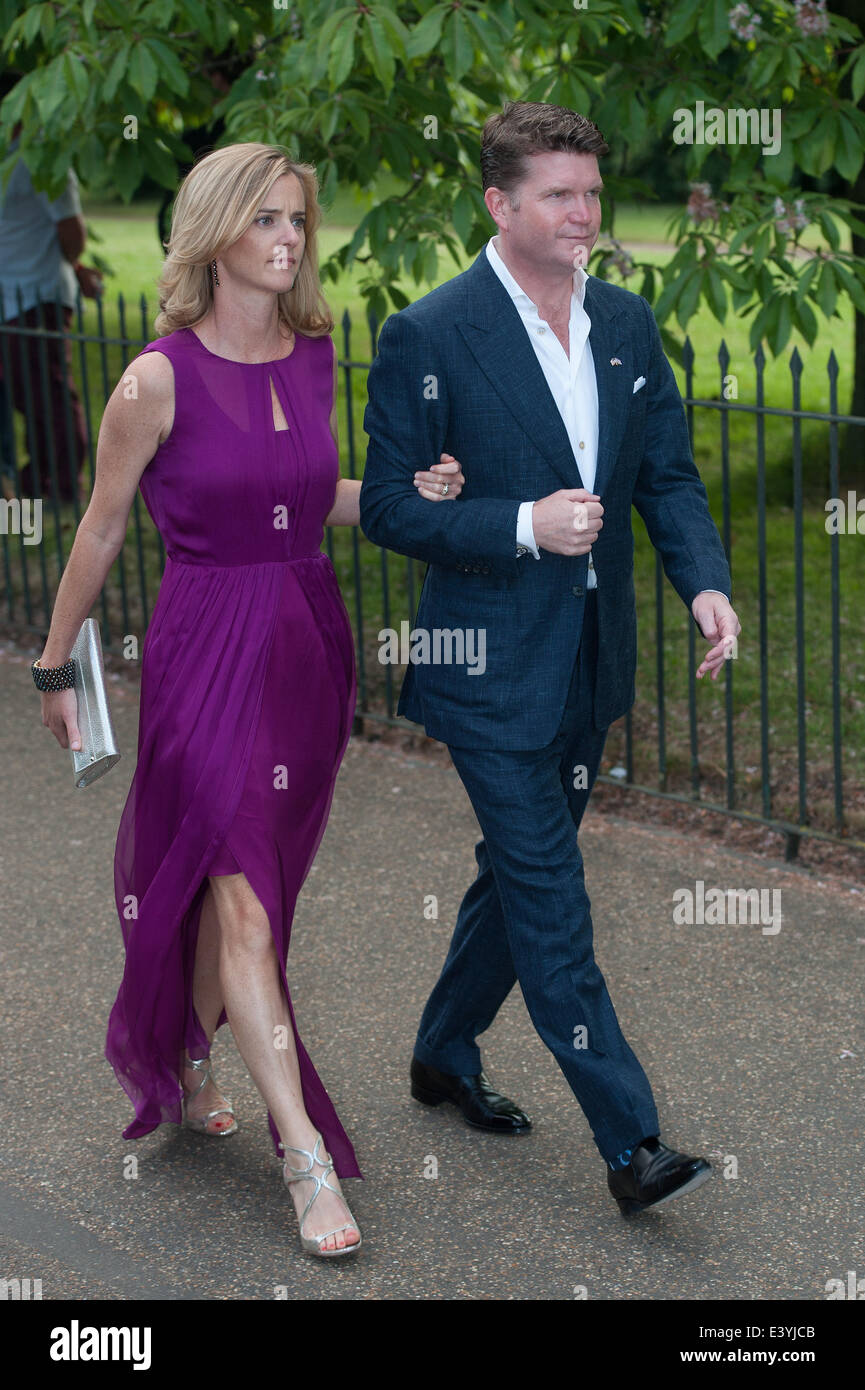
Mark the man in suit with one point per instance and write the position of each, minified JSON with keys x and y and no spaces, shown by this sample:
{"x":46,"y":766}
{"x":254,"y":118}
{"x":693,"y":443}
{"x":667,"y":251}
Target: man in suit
{"x":552,"y":390}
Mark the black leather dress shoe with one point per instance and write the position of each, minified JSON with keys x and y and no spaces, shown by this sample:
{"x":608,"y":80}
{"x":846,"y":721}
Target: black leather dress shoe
{"x":655,"y":1175}
{"x":482,"y":1107}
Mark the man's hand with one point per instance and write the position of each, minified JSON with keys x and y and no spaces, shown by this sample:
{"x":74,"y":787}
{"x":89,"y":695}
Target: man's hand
{"x":718,"y":623}
{"x":90,"y":280}
{"x":567,"y":522}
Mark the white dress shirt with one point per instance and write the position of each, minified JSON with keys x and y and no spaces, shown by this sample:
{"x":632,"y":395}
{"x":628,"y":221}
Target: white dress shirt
{"x":571,"y":379}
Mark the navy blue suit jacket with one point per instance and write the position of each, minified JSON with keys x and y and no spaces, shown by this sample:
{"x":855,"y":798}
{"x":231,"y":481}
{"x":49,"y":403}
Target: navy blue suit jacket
{"x":455,"y":373}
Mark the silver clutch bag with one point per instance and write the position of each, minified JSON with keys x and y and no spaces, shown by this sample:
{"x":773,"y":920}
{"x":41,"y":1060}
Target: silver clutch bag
{"x":98,"y":752}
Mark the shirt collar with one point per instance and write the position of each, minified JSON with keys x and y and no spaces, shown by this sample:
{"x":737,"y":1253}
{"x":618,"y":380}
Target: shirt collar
{"x":519,"y":295}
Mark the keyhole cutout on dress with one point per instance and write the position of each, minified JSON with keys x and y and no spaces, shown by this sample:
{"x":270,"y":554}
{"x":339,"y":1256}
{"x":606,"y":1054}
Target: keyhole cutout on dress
{"x":279,"y":421}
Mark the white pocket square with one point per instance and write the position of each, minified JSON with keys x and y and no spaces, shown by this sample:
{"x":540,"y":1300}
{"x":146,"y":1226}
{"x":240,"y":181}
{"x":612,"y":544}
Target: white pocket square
{"x":641,"y":381}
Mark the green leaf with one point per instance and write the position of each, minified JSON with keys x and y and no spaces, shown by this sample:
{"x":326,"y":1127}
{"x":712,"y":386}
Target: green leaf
{"x":741,"y":297}
{"x":203,"y":21}
{"x":430,"y":262}
{"x":342,"y":52}
{"x":358,"y":117}
{"x":743,"y":234}
{"x":328,"y":118}
{"x":784,"y":326}
{"x":126,"y":169}
{"x":806,"y":277}
{"x":143,"y":73}
{"x":764,"y":323}
{"x":857,"y":78}
{"x":378,"y":51}
{"x":792,"y":65}
{"x":667,"y":298}
{"x":116,"y":72}
{"x":400,"y":300}
{"x":159,"y":164}
{"x":733,"y":276}
{"x":689,"y":298}
{"x":457,"y":46}
{"x":806,"y":322}
{"x":760,"y":249}
{"x":763,"y":67}
{"x":849,"y":153}
{"x":47,"y":22}
{"x":328,"y":31}
{"x":716,"y":295}
{"x":425,"y":35}
{"x":463,"y":214}
{"x":90,"y":161}
{"x":32,"y":22}
{"x":376,"y":303}
{"x":817,"y":150}
{"x":647,"y":289}
{"x":488,"y":40}
{"x":396,"y":31}
{"x":76,"y":76}
{"x":671,"y":345}
{"x":50,"y":88}
{"x":171,"y":72}
{"x":851,"y":284}
{"x":827,"y":222}
{"x":682,"y":19}
{"x":714,"y":26}
{"x":328,"y":182}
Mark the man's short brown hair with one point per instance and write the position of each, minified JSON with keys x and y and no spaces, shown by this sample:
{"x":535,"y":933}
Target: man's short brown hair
{"x":524,"y":128}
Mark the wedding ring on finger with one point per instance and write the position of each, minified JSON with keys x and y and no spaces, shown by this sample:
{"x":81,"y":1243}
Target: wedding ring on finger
{"x":445,"y":489}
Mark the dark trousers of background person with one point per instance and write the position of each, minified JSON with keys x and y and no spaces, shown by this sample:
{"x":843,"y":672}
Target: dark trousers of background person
{"x":7,"y":445}
{"x":526,"y":917}
{"x":47,"y":424}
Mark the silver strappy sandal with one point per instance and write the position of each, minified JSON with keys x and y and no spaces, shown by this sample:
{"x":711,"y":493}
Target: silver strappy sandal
{"x":202,"y":1065}
{"x":312,"y":1244}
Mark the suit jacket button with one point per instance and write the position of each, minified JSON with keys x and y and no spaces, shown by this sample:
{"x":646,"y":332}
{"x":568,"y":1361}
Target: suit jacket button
{"x":578,"y":590}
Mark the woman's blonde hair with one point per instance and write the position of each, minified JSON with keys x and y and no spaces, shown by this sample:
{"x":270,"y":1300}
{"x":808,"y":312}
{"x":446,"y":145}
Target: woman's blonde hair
{"x":215,"y":205}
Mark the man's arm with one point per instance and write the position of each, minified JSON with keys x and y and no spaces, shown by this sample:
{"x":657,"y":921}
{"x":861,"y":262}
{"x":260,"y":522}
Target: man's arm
{"x":671,"y":499}
{"x":669,"y":493}
{"x":72,"y":235}
{"x":406,"y":419}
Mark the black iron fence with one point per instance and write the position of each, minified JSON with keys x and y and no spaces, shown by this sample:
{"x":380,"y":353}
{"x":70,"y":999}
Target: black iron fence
{"x":779,"y":740}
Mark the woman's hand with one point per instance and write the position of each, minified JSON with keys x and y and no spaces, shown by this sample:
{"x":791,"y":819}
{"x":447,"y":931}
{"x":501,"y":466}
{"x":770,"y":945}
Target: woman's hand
{"x":60,"y":715}
{"x":447,"y":474}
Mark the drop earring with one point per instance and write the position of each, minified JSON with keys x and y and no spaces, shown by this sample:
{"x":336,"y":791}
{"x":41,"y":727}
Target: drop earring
{"x":213,"y":272}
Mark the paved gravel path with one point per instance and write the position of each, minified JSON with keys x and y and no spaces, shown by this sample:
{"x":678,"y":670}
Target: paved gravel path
{"x":742,"y":1032}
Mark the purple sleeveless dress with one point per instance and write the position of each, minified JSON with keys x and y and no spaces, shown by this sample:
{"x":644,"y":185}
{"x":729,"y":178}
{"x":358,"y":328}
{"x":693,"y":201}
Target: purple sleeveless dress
{"x":247,"y":697}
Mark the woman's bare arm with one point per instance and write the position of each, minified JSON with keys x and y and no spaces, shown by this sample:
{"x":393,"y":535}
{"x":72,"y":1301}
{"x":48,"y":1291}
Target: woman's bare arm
{"x":137,"y":418}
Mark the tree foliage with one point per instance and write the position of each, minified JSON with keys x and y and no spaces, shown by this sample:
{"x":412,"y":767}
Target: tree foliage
{"x":359,"y":89}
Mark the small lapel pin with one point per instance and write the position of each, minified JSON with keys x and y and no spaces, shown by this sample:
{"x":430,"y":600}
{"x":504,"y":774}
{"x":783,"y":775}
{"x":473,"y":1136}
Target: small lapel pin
{"x":614,"y":362}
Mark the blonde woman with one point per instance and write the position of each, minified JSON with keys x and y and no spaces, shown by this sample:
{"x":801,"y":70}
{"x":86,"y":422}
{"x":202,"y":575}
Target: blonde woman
{"x":228,"y":423}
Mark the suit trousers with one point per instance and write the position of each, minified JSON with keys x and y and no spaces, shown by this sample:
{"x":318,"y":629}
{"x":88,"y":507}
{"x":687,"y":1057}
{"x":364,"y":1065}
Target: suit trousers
{"x":527,"y":917}
{"x":53,"y":440}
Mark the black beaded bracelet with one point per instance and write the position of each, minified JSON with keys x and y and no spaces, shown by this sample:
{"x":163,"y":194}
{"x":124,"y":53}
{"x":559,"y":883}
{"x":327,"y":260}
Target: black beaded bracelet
{"x":54,"y":677}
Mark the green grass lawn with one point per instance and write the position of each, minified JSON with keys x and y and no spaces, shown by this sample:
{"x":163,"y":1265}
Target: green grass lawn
{"x":130,"y":243}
